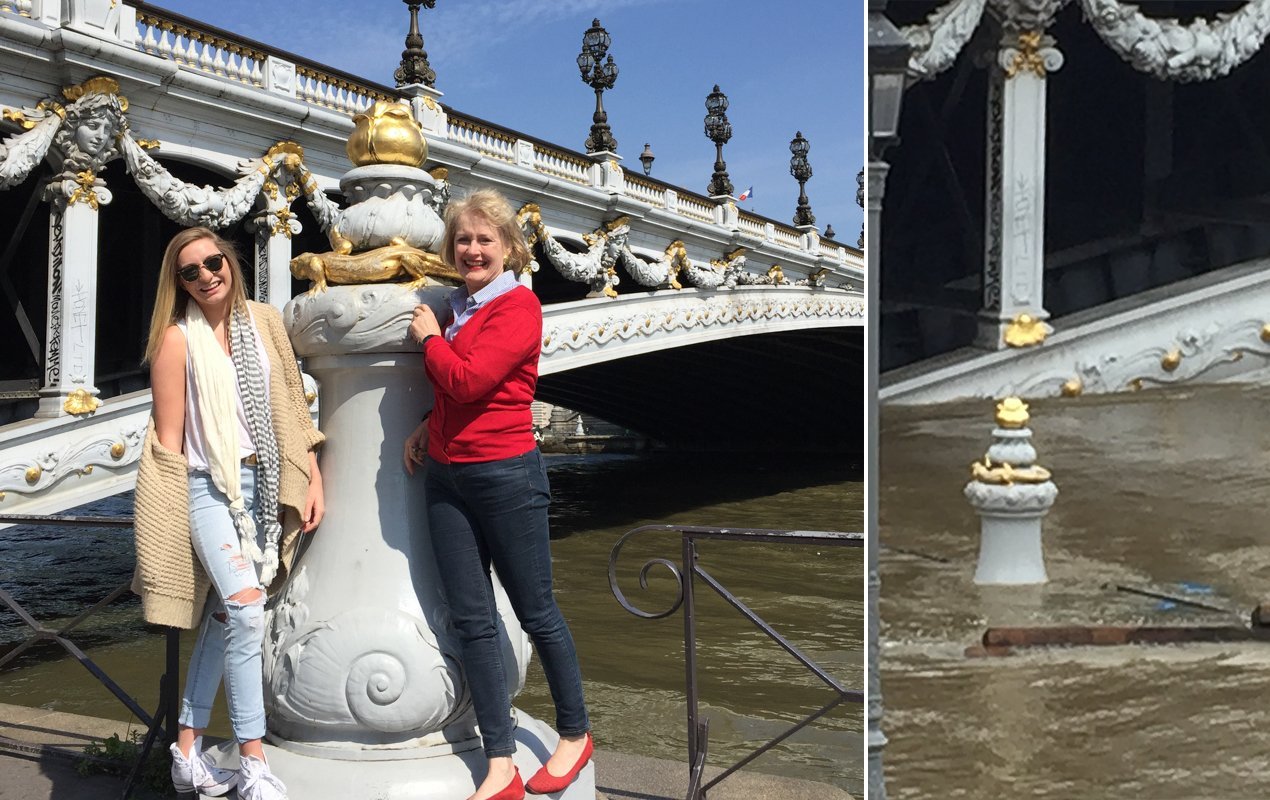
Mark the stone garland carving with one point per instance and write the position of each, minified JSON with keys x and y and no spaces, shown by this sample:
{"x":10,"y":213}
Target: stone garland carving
{"x":700,"y":315}
{"x":1192,"y":354}
{"x":729,"y":272}
{"x":946,"y":31}
{"x":21,"y":152}
{"x":118,"y":449}
{"x":609,"y":246}
{"x":595,"y":267}
{"x":660,"y":274}
{"x":187,"y":204}
{"x":1170,"y":50}
{"x":815,"y":279}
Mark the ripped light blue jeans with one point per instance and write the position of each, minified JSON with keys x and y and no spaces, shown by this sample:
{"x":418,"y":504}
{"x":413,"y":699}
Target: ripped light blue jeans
{"x":232,"y":633}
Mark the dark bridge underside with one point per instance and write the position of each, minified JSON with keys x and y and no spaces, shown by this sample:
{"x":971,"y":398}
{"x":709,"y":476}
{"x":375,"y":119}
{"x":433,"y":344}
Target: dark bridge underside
{"x":789,"y":391}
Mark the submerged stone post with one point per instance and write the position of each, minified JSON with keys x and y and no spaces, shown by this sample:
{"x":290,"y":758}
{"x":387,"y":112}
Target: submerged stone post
{"x":1012,"y":494}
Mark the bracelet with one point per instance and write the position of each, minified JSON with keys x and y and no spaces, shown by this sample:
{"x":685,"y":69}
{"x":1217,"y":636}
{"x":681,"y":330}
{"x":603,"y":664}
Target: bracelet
{"x":424,"y":341}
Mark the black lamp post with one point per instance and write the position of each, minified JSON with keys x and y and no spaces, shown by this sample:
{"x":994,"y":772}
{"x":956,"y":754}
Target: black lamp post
{"x":888,"y":56}
{"x":599,"y":75}
{"x":414,"y":66}
{"x":646,"y":158}
{"x":718,"y":130}
{"x":888,"y":76}
{"x":859,"y":200}
{"x":801,"y":170}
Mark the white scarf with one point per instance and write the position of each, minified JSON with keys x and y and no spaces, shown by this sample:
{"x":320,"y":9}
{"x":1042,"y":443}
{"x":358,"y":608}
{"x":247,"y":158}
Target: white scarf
{"x":217,"y":379}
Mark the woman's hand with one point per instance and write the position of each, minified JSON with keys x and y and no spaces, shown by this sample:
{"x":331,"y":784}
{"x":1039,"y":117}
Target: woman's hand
{"x":424,"y":323}
{"x":314,"y":499}
{"x":416,"y":446}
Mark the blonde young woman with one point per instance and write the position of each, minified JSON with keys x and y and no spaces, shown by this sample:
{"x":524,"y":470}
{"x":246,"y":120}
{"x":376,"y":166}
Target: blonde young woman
{"x":228,"y":479}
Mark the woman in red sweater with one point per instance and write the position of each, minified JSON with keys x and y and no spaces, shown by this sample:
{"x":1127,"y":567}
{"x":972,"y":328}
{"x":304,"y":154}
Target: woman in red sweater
{"x":487,"y":492}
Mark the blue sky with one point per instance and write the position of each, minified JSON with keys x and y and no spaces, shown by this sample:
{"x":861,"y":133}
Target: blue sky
{"x":785,"y":67}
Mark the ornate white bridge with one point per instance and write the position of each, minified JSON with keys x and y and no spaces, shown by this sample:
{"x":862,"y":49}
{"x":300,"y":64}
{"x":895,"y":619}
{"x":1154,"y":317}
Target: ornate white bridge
{"x":671,"y":313}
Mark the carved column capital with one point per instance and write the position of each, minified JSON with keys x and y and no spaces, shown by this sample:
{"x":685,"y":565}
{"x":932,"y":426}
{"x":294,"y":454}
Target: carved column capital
{"x":1029,"y":51}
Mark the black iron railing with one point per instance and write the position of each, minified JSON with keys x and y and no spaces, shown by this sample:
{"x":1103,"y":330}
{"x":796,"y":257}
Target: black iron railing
{"x":687,"y":574}
{"x":163,"y":721}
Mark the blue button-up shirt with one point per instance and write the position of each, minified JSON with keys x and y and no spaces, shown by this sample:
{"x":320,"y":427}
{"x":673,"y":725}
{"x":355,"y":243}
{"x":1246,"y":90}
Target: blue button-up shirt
{"x":465,"y":306}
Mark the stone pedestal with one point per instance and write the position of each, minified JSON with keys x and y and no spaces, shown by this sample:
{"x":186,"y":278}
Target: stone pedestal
{"x":360,"y":663}
{"x":389,"y":201}
{"x":1011,"y":494}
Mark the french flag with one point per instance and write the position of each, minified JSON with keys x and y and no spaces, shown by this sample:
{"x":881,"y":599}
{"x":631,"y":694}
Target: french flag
{"x":746,"y":195}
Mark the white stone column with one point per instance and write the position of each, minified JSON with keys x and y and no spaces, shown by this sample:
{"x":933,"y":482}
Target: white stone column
{"x":274,"y":226}
{"x":70,"y":342}
{"x":1014,"y":241}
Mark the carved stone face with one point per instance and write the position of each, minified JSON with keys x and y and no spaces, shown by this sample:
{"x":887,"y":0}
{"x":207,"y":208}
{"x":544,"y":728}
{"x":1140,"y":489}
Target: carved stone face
{"x":93,"y":134}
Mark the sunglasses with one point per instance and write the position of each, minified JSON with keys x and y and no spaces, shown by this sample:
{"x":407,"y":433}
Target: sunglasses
{"x":212,"y":264}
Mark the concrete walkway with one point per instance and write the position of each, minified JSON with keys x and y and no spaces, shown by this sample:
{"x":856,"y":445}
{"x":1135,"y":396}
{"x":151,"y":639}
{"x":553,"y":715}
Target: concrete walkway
{"x":38,"y":748}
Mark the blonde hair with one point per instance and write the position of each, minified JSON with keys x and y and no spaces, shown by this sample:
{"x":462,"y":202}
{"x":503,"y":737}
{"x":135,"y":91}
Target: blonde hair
{"x":169,"y":300}
{"x":493,"y":207}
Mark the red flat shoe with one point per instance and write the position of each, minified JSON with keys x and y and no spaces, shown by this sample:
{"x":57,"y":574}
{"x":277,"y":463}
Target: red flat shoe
{"x":512,"y":791}
{"x":543,"y":782}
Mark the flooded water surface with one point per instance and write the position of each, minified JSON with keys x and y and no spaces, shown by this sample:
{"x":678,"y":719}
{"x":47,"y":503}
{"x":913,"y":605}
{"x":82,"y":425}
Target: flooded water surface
{"x":632,"y":668}
{"x":1162,"y":490}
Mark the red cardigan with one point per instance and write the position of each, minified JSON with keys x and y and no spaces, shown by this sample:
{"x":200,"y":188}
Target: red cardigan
{"x":484,"y":381}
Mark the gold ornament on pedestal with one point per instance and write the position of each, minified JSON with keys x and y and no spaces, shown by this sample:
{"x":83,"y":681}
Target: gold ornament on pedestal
{"x":387,"y":134}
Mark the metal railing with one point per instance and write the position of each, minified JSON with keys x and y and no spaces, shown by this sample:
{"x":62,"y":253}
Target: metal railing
{"x":163,"y":721}
{"x":687,"y":574}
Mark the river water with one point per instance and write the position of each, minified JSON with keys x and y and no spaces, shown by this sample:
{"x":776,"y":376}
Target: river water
{"x":1163,"y":489}
{"x":632,"y":668}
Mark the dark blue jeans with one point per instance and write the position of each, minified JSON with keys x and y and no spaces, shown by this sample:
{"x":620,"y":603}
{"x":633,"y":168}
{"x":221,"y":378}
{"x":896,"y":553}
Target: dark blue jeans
{"x":496,"y":512}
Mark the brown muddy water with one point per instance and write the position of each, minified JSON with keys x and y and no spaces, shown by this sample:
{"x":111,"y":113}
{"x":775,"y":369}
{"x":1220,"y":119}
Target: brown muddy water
{"x":632,"y":668}
{"x":1165,"y":488}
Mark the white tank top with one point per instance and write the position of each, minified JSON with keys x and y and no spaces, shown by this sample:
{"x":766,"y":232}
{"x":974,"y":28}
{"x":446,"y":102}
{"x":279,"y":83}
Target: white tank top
{"x":195,"y":442}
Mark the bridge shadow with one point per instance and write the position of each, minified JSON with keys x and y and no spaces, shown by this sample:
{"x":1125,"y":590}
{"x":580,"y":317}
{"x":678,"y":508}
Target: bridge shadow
{"x":777,"y":392}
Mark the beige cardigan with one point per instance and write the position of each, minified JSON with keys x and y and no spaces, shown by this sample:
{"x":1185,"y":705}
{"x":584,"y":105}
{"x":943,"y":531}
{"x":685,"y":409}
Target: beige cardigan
{"x":169,"y":577}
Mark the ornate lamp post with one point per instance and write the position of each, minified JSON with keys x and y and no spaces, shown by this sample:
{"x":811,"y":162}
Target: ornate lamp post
{"x":829,"y":232}
{"x":646,"y":158}
{"x":414,"y":66}
{"x":718,"y":130}
{"x":888,"y":68}
{"x":859,"y":200}
{"x":801,"y":170}
{"x":599,"y":75}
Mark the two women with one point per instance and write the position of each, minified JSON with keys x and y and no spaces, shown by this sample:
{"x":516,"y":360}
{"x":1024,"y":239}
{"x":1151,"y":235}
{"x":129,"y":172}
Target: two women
{"x":227,"y":481}
{"x":486,"y":487}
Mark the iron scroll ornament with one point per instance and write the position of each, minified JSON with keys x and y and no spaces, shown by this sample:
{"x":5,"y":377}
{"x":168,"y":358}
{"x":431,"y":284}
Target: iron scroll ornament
{"x":643,"y":574}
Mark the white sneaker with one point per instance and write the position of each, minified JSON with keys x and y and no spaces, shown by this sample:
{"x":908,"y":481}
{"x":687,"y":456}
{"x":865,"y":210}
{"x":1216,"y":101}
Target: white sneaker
{"x":200,"y":774}
{"x":258,"y":783}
